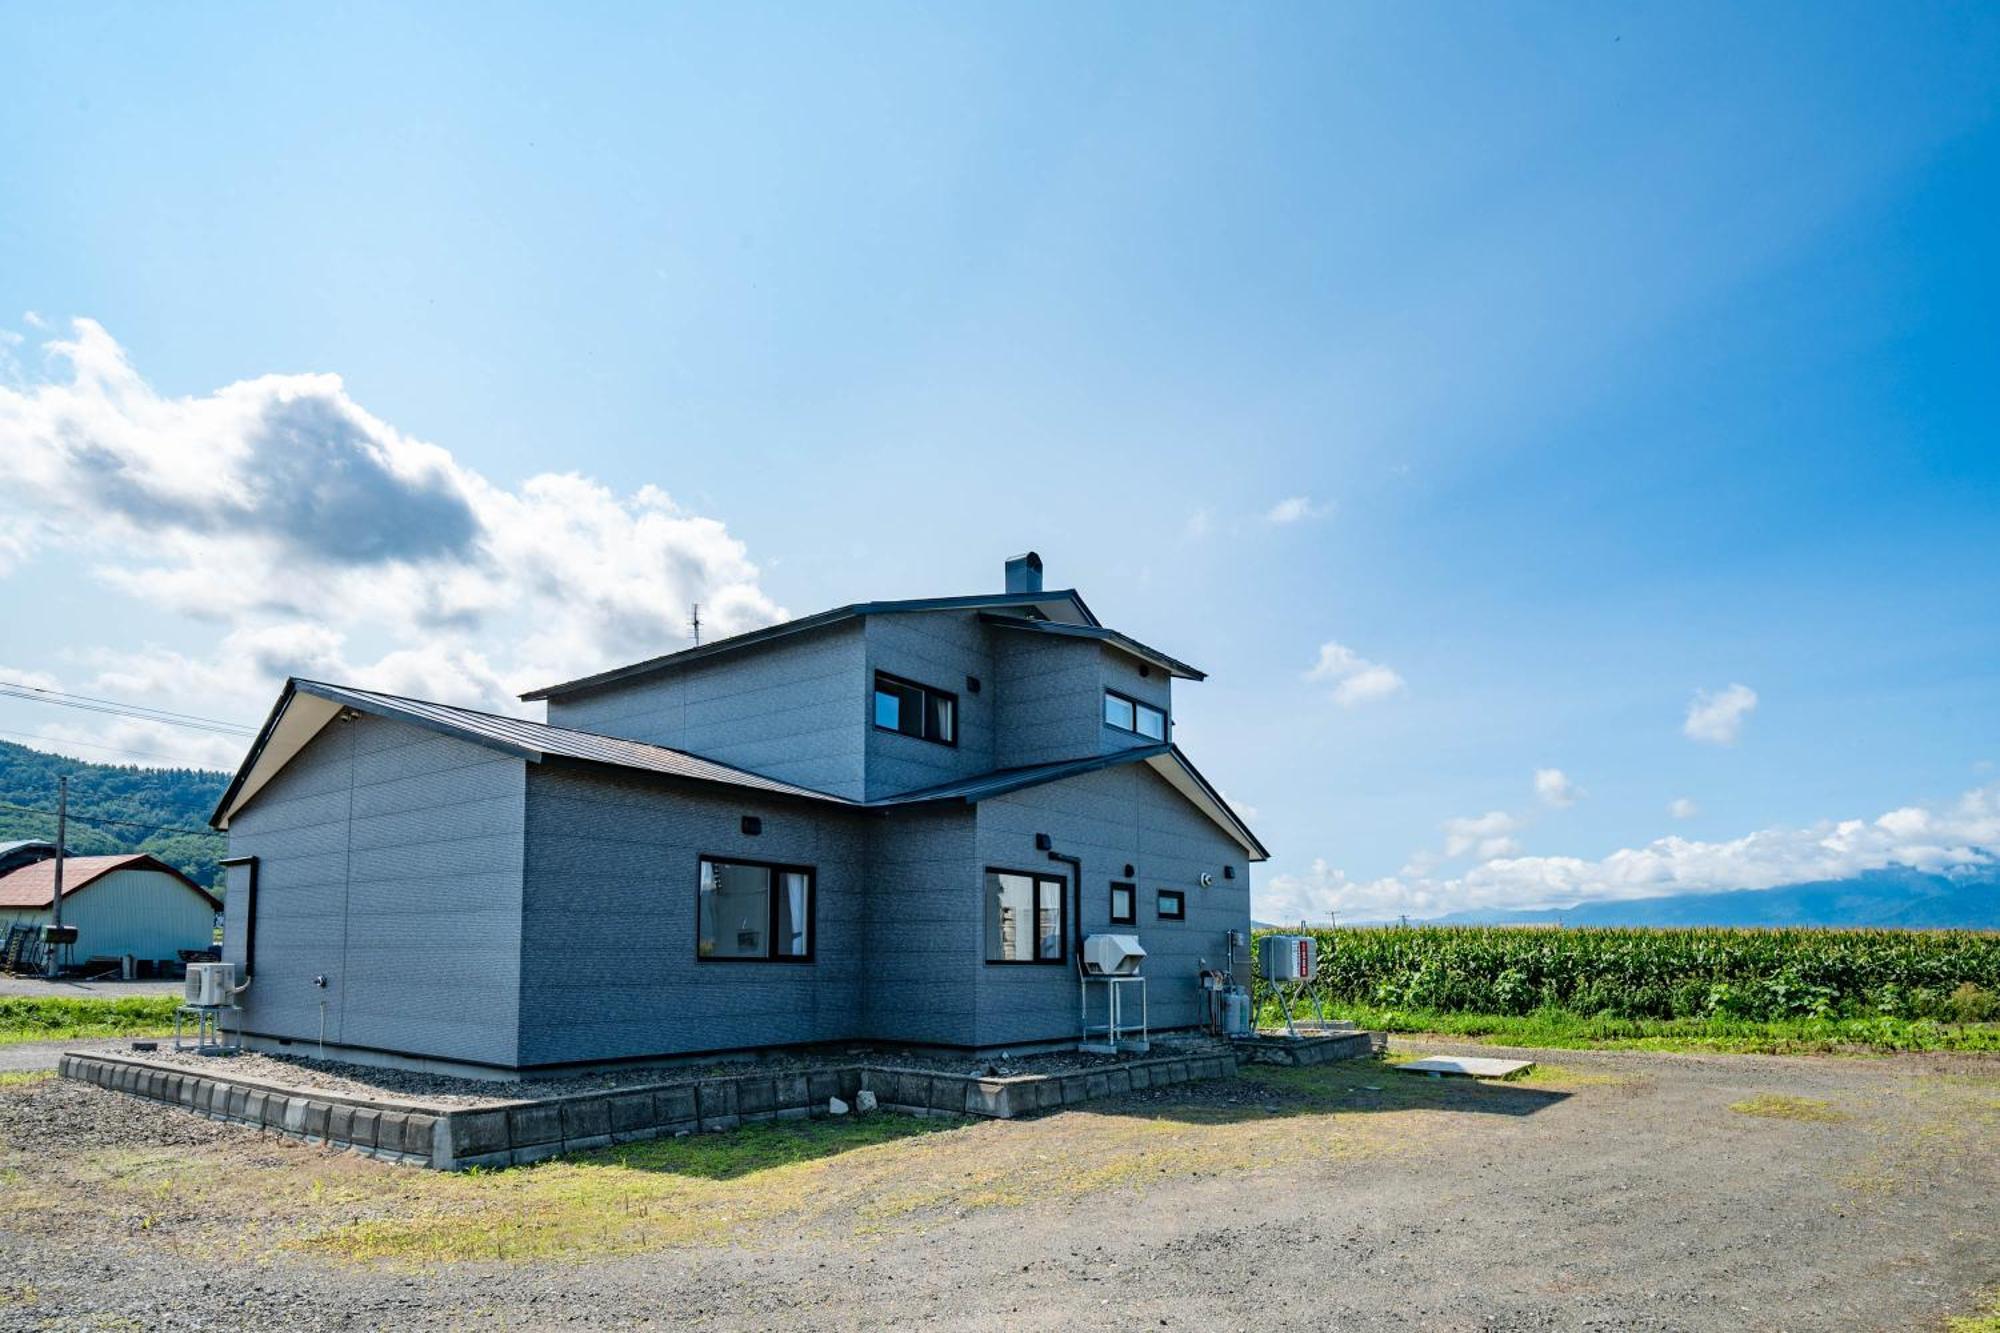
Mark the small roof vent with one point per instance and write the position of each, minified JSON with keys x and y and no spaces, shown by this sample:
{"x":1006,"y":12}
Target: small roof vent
{"x":1024,"y":573}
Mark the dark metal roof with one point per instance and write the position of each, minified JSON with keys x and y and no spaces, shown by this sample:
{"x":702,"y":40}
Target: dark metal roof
{"x":819,"y":620}
{"x":1171,"y":665}
{"x":535,"y":742}
{"x":531,"y":741}
{"x":1002,"y":781}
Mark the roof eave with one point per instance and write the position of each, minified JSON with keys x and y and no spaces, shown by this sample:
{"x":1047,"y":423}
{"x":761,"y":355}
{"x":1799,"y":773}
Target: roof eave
{"x":804,"y":624}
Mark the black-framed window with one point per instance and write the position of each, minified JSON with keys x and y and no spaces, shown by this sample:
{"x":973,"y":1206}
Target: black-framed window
{"x":915,"y":710}
{"x":1026,"y":917}
{"x":1171,"y":905}
{"x":1124,"y":905}
{"x":1128,"y":714}
{"x":753,"y":911}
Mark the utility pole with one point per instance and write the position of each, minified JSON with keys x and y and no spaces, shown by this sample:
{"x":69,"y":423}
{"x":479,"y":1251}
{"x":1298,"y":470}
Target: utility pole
{"x":694,"y":623}
{"x":62,"y":834}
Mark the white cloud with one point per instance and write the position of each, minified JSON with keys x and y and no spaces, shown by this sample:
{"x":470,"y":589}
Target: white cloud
{"x":1682,"y":807}
{"x":322,"y":541}
{"x":1483,"y":836}
{"x":1296,"y":509}
{"x":1554,"y":788}
{"x":1354,"y":678}
{"x":1717,"y":718}
{"x":1247,"y":811}
{"x":1965,"y":835}
{"x":1199,"y":524}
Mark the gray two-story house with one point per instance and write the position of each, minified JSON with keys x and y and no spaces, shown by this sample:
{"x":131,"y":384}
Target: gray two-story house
{"x":892,"y":822}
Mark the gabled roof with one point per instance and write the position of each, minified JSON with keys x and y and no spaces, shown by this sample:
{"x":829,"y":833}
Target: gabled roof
{"x":21,"y":853}
{"x":1123,"y":642}
{"x":1165,"y":759}
{"x":34,"y":885}
{"x":1064,"y":606}
{"x":306,"y":706}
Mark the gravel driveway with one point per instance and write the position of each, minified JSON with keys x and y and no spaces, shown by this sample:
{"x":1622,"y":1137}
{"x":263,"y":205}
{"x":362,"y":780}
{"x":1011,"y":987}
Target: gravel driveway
{"x":1610,"y":1191}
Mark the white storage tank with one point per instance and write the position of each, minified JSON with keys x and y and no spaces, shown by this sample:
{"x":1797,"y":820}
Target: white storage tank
{"x":1288,"y":958}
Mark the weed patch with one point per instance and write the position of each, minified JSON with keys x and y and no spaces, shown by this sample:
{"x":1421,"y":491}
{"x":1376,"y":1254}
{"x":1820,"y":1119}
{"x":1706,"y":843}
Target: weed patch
{"x":61,"y":1017}
{"x":1775,"y":1106}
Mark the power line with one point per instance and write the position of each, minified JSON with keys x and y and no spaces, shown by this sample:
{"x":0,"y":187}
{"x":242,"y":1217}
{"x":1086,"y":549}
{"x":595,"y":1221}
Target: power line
{"x":122,"y":823}
{"x":96,"y":745}
{"x":137,"y":712}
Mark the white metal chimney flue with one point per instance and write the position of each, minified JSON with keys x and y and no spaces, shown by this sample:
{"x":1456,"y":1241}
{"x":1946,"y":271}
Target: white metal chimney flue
{"x":1024,"y":573}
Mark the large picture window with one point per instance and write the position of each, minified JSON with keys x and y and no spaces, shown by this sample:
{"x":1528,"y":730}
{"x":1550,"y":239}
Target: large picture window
{"x":751,"y":911}
{"x":1025,"y":920}
{"x":915,"y":710}
{"x":1128,"y":714}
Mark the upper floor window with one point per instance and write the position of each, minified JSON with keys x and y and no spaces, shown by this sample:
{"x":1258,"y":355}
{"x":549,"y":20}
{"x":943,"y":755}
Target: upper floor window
{"x":1128,"y":714}
{"x":754,"y":910}
{"x":915,"y":710}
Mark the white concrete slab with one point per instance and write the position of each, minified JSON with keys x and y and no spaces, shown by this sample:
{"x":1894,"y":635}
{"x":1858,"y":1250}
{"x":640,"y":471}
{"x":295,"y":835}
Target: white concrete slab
{"x":1466,"y":1066}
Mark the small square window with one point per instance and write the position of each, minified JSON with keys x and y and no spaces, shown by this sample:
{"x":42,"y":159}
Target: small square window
{"x":1124,"y":905}
{"x":1172,"y":905}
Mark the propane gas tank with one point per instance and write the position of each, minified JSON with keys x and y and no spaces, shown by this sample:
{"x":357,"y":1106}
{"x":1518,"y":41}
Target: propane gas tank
{"x":1236,"y":1012}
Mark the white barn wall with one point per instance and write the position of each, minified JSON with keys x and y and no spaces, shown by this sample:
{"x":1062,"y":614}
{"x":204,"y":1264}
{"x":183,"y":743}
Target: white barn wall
{"x":145,"y":913}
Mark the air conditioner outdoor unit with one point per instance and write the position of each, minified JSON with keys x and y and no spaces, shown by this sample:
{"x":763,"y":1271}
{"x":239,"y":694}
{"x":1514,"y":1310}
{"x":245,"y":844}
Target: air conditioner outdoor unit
{"x":1112,"y":955}
{"x":209,"y":985}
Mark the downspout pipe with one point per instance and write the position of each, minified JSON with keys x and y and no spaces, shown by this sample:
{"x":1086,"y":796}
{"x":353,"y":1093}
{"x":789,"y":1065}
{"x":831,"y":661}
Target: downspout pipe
{"x":1076,"y":890}
{"x":249,"y":916}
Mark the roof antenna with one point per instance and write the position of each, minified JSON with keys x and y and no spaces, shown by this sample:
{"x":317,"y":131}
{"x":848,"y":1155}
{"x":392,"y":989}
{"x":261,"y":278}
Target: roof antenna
{"x":694,"y":622}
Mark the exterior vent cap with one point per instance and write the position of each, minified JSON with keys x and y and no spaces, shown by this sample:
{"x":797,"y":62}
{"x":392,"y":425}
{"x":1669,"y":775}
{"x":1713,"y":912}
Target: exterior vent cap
{"x":1024,"y":573}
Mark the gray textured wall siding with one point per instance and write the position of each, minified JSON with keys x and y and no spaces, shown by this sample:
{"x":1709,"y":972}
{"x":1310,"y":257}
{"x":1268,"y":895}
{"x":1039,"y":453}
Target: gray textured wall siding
{"x":923,"y":928}
{"x":610,"y":970}
{"x":939,"y":649}
{"x":1108,"y":819}
{"x":1048,"y":700}
{"x":794,"y":710}
{"x":390,"y":863}
{"x":1117,"y":671}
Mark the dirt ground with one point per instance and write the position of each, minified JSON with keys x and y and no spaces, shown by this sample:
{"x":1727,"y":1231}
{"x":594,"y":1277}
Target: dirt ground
{"x":1607,"y":1191}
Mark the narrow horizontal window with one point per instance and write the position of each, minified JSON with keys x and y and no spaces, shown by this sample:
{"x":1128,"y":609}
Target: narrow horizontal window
{"x":1124,"y":905}
{"x":1128,"y":714}
{"x":1172,"y":905}
{"x":915,"y":710}
{"x":751,"y":911}
{"x":1025,"y":918}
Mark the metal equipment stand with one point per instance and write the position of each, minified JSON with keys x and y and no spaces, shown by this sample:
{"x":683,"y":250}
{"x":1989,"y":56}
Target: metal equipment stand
{"x":1113,"y":1035}
{"x":1318,"y":1025}
{"x":209,"y":1038}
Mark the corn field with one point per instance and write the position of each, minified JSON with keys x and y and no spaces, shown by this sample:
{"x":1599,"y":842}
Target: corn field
{"x":1758,"y":975}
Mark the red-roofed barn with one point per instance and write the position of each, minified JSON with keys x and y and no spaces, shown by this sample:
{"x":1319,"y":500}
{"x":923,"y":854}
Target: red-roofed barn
{"x":132,"y":904}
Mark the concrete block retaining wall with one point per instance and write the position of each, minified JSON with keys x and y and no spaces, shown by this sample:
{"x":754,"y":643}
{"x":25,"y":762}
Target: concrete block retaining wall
{"x":1271,"y":1050}
{"x":451,"y":1138}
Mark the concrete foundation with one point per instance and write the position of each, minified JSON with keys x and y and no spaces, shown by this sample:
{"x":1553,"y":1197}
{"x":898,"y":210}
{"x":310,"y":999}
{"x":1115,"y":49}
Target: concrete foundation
{"x":454,"y":1137}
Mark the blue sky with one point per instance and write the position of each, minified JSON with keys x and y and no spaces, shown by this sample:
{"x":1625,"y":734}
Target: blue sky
{"x":1608,"y":355}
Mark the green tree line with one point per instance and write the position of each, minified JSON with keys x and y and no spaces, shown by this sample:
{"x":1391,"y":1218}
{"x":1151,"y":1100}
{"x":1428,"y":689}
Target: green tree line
{"x":146,"y":802}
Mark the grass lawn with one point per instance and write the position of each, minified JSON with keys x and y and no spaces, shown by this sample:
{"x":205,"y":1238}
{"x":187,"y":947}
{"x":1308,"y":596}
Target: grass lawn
{"x":61,"y":1017}
{"x":1563,"y":1030}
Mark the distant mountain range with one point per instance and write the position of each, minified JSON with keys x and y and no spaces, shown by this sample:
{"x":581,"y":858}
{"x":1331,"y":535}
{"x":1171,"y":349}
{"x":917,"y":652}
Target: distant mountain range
{"x":1897,"y":896}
